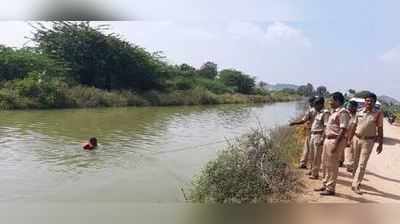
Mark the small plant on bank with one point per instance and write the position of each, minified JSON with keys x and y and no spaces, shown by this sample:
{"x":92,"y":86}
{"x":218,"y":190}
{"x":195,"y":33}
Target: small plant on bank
{"x":255,"y":168}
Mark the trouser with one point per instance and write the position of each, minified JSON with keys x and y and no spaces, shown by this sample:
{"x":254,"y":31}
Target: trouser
{"x":341,"y":156}
{"x":349,"y":156}
{"x":306,"y":151}
{"x":362,"y":151}
{"x":331,"y":164}
{"x":315,"y":153}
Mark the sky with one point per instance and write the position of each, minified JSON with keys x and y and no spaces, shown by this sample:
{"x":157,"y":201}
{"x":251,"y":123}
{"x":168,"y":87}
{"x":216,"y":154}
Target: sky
{"x":339,"y":44}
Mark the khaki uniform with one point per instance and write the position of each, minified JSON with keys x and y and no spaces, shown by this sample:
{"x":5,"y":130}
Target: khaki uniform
{"x":363,"y":142}
{"x":309,"y":117}
{"x":349,"y":152}
{"x":316,"y":141}
{"x":338,"y":120}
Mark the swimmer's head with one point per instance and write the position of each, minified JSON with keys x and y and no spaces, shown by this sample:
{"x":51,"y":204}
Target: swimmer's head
{"x":93,"y":141}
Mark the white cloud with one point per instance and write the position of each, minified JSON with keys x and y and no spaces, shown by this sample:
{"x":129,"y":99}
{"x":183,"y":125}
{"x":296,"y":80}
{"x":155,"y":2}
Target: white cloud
{"x":245,"y":30}
{"x":279,"y":33}
{"x":391,"y":56}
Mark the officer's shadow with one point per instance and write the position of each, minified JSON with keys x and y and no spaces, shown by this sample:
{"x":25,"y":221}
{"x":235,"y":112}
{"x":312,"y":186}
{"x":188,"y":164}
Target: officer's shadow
{"x":382,"y":177}
{"x":353,"y":198}
{"x":367,"y":190}
{"x":346,"y":174}
{"x":391,"y":141}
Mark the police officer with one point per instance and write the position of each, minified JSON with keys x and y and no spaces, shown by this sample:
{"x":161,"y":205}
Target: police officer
{"x":368,"y":130}
{"x":317,"y":136}
{"x":334,"y":143}
{"x":349,"y":152}
{"x":308,"y":119}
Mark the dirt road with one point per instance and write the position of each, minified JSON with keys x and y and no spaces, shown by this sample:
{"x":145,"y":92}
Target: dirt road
{"x":382,"y":180}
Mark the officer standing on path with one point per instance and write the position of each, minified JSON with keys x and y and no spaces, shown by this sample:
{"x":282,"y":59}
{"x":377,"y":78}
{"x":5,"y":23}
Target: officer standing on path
{"x":334,"y":143}
{"x":308,"y":119}
{"x":368,"y":130}
{"x":317,"y":136}
{"x":349,"y":152}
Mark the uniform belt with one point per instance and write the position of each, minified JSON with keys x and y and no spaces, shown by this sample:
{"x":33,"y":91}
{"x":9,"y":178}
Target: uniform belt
{"x":365,"y":137}
{"x":332,"y":136}
{"x":317,"y":132}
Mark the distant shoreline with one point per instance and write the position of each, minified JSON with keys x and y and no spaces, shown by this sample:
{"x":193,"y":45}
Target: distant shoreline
{"x":89,"y":97}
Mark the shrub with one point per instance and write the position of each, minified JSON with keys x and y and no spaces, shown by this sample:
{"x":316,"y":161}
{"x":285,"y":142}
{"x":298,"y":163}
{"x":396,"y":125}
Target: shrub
{"x":261,"y":91}
{"x":85,"y":96}
{"x":133,"y":99}
{"x":203,"y":96}
{"x":214,"y":86}
{"x":182,"y":83}
{"x":255,"y":168}
{"x":18,"y":63}
{"x":34,"y":93}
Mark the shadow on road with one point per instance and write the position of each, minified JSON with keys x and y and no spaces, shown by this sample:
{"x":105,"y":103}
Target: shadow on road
{"x":353,"y":198}
{"x":390,"y":141}
{"x":367,"y":190}
{"x":382,"y":177}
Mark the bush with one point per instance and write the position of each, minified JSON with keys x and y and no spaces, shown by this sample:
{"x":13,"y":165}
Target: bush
{"x":214,"y":86}
{"x":18,"y":63}
{"x":182,"y":83}
{"x":83,"y":96}
{"x":262,"y":92}
{"x":282,"y":96}
{"x":253,"y":169}
{"x":34,"y":93}
{"x":133,"y":99}
{"x":197,"y":96}
{"x":202,"y":96}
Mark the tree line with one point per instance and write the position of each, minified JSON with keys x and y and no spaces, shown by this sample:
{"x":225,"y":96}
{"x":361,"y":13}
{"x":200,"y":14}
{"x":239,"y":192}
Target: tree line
{"x":79,"y":53}
{"x":70,"y":54}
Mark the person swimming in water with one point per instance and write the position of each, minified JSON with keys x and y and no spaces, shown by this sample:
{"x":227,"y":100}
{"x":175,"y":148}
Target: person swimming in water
{"x":92,"y":144}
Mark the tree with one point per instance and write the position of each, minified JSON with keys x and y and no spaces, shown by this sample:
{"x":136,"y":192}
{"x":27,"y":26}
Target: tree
{"x":187,"y":70}
{"x":99,"y":60}
{"x":19,"y":63}
{"x":306,"y":90}
{"x":208,"y":70}
{"x":361,"y":94}
{"x":262,"y":84}
{"x":321,"y":91}
{"x":288,"y":91}
{"x":241,"y":83}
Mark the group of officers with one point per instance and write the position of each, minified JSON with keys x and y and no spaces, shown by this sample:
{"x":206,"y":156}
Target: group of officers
{"x":341,"y":136}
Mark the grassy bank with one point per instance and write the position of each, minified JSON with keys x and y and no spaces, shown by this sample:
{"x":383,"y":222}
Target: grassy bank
{"x":256,"y":168}
{"x":34,"y":93}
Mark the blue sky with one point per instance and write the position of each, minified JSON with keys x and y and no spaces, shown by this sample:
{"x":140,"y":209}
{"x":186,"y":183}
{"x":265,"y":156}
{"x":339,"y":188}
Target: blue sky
{"x":340,"y":44}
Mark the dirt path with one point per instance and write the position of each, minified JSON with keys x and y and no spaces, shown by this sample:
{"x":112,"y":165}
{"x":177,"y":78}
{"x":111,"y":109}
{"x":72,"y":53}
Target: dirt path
{"x":381,"y":183}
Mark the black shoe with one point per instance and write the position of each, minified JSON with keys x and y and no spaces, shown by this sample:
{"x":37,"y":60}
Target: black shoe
{"x":320,"y":189}
{"x":303,"y":167}
{"x":341,"y":164}
{"x":349,"y":169}
{"x":327,"y":193}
